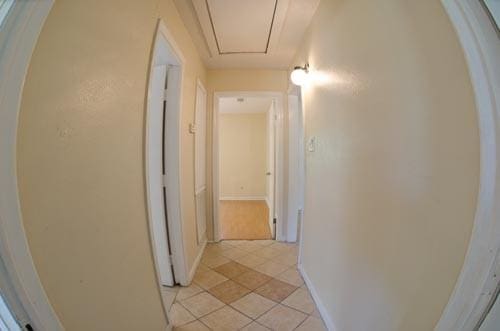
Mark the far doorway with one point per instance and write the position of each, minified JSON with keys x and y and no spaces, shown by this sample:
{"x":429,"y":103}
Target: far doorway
{"x":247,"y":164}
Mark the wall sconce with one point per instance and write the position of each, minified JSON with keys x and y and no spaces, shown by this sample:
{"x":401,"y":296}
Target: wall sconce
{"x":299,"y":75}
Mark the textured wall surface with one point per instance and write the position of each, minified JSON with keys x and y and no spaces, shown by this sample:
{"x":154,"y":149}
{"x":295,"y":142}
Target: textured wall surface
{"x":391,"y":187}
{"x":81,"y":161}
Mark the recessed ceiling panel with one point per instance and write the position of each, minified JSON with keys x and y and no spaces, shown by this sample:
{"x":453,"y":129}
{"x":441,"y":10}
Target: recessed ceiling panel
{"x":250,"y":33}
{"x":242,"y":26}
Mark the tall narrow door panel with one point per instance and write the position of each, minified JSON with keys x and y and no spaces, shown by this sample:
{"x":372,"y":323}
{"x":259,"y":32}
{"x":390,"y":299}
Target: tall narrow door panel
{"x":200,"y":161}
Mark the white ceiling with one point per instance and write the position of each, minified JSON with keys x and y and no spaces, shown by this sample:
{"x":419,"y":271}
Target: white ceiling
{"x":249,"y":105}
{"x":253,"y":20}
{"x":247,"y":33}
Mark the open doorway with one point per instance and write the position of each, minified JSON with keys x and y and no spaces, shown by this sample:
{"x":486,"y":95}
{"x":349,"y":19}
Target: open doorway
{"x":247,"y":165}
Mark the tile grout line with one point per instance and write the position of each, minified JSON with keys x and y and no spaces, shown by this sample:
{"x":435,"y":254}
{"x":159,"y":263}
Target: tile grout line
{"x":215,"y":254}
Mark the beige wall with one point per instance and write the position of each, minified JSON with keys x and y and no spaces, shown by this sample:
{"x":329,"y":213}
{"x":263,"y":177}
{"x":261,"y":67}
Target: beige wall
{"x":242,"y":155}
{"x":247,"y":80}
{"x":81,"y":161}
{"x":391,"y":188}
{"x":235,"y":80}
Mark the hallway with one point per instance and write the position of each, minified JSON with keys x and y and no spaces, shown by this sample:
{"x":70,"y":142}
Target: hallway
{"x":246,"y":285}
{"x":135,"y":135}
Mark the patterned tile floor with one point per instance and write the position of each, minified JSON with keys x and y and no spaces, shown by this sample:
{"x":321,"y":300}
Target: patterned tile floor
{"x":246,"y":285}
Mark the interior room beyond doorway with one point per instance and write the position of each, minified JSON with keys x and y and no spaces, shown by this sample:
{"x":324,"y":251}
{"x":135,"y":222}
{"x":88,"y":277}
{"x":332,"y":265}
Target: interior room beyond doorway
{"x":246,"y":165}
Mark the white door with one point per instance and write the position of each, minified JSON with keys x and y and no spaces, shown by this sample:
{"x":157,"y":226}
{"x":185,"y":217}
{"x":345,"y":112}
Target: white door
{"x":271,"y":168}
{"x":200,"y":161}
{"x":492,"y":318}
{"x":156,"y":171}
{"x":7,"y":319}
{"x":12,"y":312}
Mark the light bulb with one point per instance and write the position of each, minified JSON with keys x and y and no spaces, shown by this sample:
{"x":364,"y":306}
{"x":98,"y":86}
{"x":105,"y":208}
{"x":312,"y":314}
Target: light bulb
{"x":299,"y":75}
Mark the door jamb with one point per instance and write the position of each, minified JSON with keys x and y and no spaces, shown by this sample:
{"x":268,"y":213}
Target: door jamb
{"x":479,"y":275}
{"x":197,"y":191}
{"x":296,"y":173}
{"x":14,"y":247}
{"x":278,"y":97}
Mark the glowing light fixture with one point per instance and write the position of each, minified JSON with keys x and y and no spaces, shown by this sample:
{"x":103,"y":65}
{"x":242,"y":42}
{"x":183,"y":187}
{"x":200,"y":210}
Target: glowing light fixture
{"x":299,"y":75}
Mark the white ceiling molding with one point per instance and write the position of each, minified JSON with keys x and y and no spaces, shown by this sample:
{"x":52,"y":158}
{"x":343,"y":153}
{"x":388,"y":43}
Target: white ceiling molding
{"x":247,"y":34}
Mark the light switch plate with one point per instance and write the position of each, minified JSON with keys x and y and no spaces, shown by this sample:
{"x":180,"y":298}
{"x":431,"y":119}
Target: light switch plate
{"x":311,"y":144}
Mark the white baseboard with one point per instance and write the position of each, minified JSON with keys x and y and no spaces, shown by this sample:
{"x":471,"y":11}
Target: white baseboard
{"x":321,"y":307}
{"x":196,"y":263}
{"x":243,"y":198}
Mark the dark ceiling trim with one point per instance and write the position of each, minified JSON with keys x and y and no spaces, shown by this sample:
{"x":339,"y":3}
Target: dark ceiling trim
{"x":241,"y":52}
{"x":271,"y":27}
{"x":213,"y":27}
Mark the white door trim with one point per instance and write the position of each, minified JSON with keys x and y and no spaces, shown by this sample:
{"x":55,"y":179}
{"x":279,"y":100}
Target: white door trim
{"x":279,"y":109}
{"x":481,"y":270}
{"x":296,"y":163}
{"x":296,"y":91}
{"x":200,"y":189}
{"x":24,"y":25}
{"x":270,"y":198}
{"x":166,"y":52}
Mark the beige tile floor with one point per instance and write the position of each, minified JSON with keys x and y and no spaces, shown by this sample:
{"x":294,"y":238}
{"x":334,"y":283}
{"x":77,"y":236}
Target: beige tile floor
{"x":246,"y":285}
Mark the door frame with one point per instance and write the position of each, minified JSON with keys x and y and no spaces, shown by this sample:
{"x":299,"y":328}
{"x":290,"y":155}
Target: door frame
{"x":166,"y":51}
{"x":15,"y":56}
{"x":478,"y":278}
{"x":278,"y":98}
{"x":296,"y":165}
{"x":271,"y":166}
{"x":198,"y":191}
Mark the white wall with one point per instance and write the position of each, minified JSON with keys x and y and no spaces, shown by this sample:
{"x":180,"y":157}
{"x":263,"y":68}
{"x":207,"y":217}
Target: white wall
{"x":242,"y":155}
{"x":391,"y":187}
